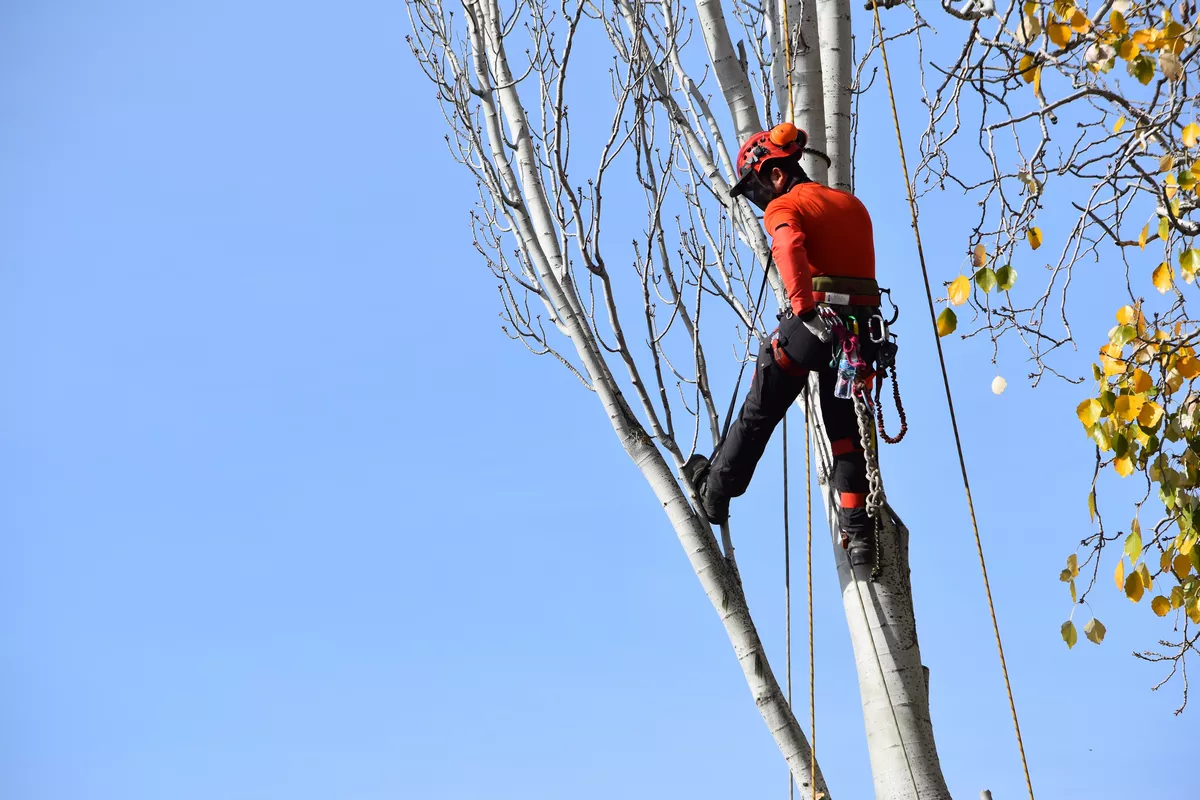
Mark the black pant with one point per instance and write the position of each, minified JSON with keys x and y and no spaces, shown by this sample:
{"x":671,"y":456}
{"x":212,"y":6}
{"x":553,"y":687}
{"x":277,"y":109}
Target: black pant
{"x":772,"y":392}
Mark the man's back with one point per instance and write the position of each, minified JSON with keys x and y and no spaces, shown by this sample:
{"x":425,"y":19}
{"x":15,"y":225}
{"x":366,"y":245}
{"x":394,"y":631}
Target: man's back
{"x":836,"y":226}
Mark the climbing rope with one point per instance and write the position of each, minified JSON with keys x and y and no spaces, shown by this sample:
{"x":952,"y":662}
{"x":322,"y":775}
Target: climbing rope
{"x":812,"y":667}
{"x":787,"y":589}
{"x":787,"y":547}
{"x":962,"y":462}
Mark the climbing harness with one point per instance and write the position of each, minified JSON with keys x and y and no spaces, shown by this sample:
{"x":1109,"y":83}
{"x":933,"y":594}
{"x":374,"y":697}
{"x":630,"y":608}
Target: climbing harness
{"x":962,"y":462}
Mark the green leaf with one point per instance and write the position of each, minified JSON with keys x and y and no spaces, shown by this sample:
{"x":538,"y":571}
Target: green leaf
{"x":985,"y":279}
{"x":1133,"y":543}
{"x":1006,"y":276}
{"x":1120,"y":443}
{"x":1094,"y":631}
{"x":947,"y":322}
{"x":1092,"y":505}
{"x":1069,"y":634}
{"x":1164,"y":228}
{"x":1123,"y":335}
{"x":1189,"y":261}
{"x":1141,"y":68}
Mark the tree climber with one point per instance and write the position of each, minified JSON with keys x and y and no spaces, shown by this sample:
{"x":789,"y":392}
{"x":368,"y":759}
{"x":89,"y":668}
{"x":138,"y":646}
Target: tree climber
{"x":822,"y":245}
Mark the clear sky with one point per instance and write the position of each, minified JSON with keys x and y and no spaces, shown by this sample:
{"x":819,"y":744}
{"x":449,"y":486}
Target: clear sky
{"x":284,"y":515}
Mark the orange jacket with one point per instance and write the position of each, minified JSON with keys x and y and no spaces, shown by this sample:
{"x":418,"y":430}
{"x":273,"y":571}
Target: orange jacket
{"x":816,"y":230}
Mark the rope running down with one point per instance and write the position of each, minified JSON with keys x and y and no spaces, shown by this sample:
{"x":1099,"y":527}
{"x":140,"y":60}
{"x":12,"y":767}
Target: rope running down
{"x":962,"y":462}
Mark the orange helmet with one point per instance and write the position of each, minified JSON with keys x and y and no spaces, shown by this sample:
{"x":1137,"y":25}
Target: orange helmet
{"x":785,"y":140}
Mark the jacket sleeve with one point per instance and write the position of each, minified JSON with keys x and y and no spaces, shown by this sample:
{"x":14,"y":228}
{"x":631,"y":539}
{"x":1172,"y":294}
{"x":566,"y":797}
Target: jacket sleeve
{"x":791,"y":259}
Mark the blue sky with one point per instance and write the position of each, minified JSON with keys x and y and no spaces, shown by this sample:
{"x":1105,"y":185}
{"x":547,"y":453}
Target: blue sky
{"x":286,"y":515}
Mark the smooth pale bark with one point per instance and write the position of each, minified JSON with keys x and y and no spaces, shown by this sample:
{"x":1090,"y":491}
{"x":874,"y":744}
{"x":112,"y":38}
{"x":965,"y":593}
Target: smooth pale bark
{"x":837,"y":67}
{"x":807,"y":93}
{"x":731,"y":76}
{"x":534,"y":222}
{"x":894,"y":742}
{"x":892,"y":682}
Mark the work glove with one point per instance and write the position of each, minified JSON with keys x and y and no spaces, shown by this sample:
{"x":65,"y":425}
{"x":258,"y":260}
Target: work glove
{"x":817,"y":325}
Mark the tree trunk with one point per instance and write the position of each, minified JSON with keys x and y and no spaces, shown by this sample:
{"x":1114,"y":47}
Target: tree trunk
{"x":805,"y":96}
{"x":731,"y":75}
{"x":534,"y":221}
{"x":837,"y":67}
{"x":724,"y":591}
{"x":892,"y":681}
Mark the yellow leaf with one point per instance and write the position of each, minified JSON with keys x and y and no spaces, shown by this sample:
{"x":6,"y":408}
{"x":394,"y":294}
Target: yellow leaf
{"x":1129,"y":406}
{"x":1116,"y":21}
{"x":1126,"y":314}
{"x":1037,"y":81}
{"x":1176,"y":597}
{"x":1160,"y":605}
{"x":1188,"y":367}
{"x":979,"y":256}
{"x":1128,"y":50}
{"x":960,"y":290}
{"x":947,"y":321}
{"x":1150,"y":414}
{"x":1162,"y":277}
{"x":1182,"y":566}
{"x":1112,"y":366}
{"x":1144,"y":236}
{"x":1035,"y":237}
{"x":1193,"y":611}
{"x":1079,"y":22}
{"x":1123,"y":466}
{"x":1133,"y":586}
{"x":1120,"y":124}
{"x":1027,"y":69}
{"x":1119,"y":573}
{"x":1166,"y":163}
{"x":1191,"y":134}
{"x":1089,"y":412}
{"x":1141,"y":381}
{"x":1059,"y":33}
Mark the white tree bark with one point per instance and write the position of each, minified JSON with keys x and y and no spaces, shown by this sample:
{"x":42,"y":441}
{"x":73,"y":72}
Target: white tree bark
{"x":837,"y":67}
{"x":892,"y":681}
{"x":535,"y":222}
{"x":499,"y":146}
{"x":731,"y":75}
{"x":806,"y":94}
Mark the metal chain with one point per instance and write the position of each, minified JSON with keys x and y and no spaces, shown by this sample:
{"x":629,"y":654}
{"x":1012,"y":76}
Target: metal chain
{"x":862,"y":410}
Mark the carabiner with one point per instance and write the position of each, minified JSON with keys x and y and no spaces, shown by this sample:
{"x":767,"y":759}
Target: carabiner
{"x":884,"y":329}
{"x":895,"y":308}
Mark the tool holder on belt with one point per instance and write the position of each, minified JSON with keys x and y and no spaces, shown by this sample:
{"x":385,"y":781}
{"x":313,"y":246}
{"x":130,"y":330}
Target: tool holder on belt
{"x":838,"y":298}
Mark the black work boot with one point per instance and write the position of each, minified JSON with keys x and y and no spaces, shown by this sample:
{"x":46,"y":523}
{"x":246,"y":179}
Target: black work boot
{"x":858,"y":536}
{"x":715,"y":507}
